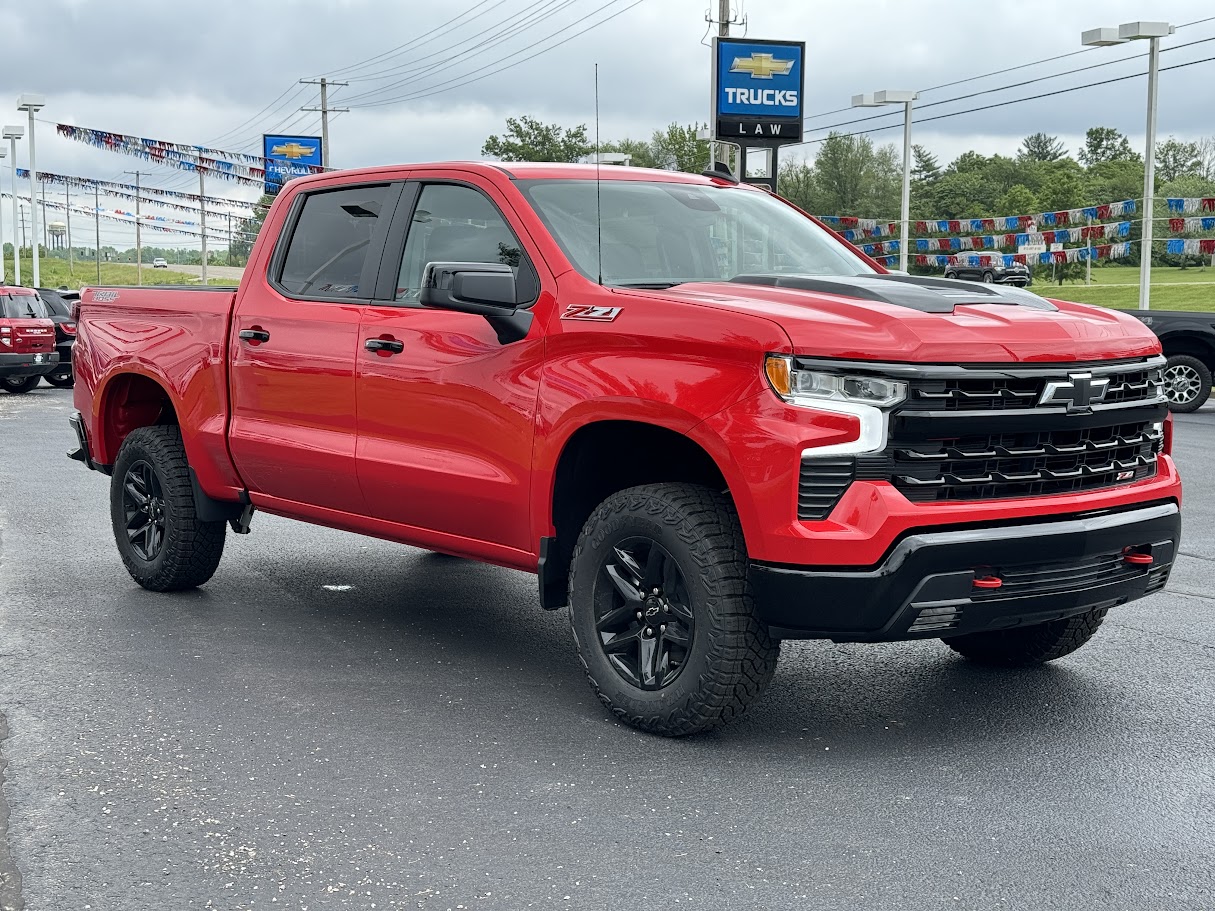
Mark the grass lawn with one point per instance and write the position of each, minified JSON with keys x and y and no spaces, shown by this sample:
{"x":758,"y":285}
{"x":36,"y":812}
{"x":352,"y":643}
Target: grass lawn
{"x":1118,"y":286}
{"x":54,"y":273}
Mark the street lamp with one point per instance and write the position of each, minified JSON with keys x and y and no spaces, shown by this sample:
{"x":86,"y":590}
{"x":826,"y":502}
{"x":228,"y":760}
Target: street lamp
{"x":1135,"y":31}
{"x":32,"y":103}
{"x":877,"y":100}
{"x":12,"y":134}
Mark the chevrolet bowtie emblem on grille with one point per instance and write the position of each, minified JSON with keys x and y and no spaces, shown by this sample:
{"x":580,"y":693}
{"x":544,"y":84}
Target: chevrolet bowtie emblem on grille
{"x":761,"y":66}
{"x":1079,"y":392}
{"x":293,"y":150}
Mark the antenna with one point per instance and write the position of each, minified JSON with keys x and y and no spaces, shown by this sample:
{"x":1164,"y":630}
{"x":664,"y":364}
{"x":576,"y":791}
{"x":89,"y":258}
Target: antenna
{"x":598,"y":165}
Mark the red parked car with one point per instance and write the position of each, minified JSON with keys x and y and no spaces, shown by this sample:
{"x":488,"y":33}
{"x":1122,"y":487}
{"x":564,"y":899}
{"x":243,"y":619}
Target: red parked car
{"x":704,"y":420}
{"x":27,"y":341}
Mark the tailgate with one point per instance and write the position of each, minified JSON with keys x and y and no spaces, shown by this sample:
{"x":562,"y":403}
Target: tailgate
{"x":28,"y":336}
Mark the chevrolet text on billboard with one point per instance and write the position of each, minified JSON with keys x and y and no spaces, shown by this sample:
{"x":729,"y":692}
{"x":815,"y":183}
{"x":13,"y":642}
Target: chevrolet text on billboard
{"x":757,"y":90}
{"x":288,"y":157}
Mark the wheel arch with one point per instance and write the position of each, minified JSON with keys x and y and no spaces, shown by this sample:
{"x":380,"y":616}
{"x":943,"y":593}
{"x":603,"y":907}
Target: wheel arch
{"x":599,"y":459}
{"x":1195,"y":344}
{"x":129,"y":400}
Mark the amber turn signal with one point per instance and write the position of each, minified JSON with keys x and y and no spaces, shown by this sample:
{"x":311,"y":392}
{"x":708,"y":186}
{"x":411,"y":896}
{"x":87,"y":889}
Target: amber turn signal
{"x":777,"y":369}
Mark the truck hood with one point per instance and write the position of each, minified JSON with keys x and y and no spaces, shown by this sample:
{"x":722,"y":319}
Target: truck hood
{"x":925,"y":320}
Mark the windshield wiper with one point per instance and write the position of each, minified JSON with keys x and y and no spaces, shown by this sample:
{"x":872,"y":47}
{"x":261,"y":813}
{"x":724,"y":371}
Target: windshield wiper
{"x":647,"y":286}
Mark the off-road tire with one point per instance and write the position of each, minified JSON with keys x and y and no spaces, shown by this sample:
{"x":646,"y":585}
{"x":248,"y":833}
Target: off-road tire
{"x":1029,"y":645}
{"x":732,"y":656}
{"x":191,"y":549}
{"x":1195,"y":368}
{"x":61,"y":380}
{"x":19,"y":385}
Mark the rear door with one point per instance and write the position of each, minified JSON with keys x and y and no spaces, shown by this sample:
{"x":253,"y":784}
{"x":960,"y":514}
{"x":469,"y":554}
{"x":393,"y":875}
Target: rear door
{"x":295,"y":331}
{"x":447,"y":413}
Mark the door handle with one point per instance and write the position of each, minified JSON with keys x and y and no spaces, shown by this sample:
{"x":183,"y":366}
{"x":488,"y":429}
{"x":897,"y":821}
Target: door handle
{"x":254,"y":335}
{"x":384,"y":346}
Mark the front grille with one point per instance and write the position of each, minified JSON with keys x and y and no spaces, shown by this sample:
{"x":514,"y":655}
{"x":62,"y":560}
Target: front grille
{"x":1036,"y":463}
{"x":1070,"y":576}
{"x":820,"y":486}
{"x":963,"y":389}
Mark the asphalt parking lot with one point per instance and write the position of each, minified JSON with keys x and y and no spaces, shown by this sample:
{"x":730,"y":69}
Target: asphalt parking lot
{"x":337,"y":722}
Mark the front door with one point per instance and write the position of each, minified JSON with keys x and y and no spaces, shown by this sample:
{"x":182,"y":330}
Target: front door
{"x":446,"y":411}
{"x":295,"y":333}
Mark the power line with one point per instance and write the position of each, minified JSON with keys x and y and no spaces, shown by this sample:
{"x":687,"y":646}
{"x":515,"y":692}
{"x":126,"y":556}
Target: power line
{"x":999,"y":104}
{"x":1004,"y":88}
{"x":454,"y":84}
{"x":1010,"y":69}
{"x":252,"y":119}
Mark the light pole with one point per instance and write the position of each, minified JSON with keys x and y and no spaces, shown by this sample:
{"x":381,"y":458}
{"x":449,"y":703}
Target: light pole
{"x":12,"y":134}
{"x":1135,"y":31}
{"x":3,"y":261}
{"x":877,"y":100}
{"x":31,"y":104}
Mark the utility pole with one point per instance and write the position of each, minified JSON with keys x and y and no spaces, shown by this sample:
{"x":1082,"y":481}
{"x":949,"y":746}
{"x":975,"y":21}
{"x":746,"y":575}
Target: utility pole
{"x":23,"y":244}
{"x":67,"y":205}
{"x":723,"y":22}
{"x":326,"y":111}
{"x":229,"y":238}
{"x":46,"y":244}
{"x":138,"y":233}
{"x":202,"y":212}
{"x":97,"y":223}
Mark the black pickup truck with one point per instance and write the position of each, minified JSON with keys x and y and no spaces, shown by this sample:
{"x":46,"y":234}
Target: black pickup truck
{"x":1188,"y":340}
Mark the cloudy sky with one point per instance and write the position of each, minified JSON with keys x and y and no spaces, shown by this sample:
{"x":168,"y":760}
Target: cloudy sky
{"x":424,"y":87}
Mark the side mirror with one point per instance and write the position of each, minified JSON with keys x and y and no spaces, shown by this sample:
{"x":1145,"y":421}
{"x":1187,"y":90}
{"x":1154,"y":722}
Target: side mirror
{"x":486,"y":289}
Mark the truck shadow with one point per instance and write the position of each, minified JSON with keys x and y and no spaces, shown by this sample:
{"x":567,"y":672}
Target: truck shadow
{"x":458,"y":625}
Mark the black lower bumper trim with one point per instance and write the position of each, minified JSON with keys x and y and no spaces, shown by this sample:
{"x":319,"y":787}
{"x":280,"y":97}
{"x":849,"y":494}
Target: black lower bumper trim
{"x":926,"y":586}
{"x":82,"y":453}
{"x":25,"y":364}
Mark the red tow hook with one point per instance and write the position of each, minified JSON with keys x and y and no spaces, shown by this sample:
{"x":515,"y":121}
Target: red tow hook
{"x":988,"y":582}
{"x":1136,"y":559}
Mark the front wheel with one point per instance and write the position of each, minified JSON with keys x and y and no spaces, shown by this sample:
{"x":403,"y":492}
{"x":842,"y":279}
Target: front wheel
{"x":160,"y":538}
{"x":19,"y":385}
{"x":1029,"y":645}
{"x":988,"y":278}
{"x":63,"y":380}
{"x":1187,"y":383}
{"x":662,"y":610}
{"x":951,"y":275}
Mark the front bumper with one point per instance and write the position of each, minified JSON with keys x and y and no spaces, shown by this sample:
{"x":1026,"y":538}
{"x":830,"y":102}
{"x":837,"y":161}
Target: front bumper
{"x":13,"y":364}
{"x":925,"y":587}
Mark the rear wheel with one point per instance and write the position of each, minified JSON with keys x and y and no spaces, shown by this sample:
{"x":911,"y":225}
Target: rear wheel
{"x":18,"y":385}
{"x":163,"y":544}
{"x":1187,"y":383}
{"x":1029,"y":645}
{"x":662,"y":611}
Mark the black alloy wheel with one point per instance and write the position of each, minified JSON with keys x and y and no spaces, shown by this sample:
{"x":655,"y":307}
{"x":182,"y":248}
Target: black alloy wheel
{"x":143,"y":507}
{"x":645,"y":624}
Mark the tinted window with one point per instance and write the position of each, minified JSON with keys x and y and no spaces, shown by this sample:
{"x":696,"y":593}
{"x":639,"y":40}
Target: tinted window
{"x":328,"y":248}
{"x":454,"y":224}
{"x":54,"y":303}
{"x":24,"y":306}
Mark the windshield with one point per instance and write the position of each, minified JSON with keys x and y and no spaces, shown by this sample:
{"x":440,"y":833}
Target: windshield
{"x":662,"y":234}
{"x":54,"y":303}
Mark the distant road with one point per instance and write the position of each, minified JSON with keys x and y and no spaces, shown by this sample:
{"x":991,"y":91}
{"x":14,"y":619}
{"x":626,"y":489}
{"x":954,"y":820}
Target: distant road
{"x":233,"y":272}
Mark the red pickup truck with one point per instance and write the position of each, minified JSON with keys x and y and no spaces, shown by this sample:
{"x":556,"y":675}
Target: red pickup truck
{"x":706,"y":422}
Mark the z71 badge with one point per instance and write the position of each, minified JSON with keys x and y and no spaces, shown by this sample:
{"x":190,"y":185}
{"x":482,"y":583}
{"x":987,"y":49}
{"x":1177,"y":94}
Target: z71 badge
{"x":595,"y":314}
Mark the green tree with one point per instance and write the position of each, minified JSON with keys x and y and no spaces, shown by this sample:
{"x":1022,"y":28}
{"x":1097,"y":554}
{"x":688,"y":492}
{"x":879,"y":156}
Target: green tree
{"x":1107,"y":181}
{"x":527,"y":139}
{"x":1041,"y":147}
{"x":796,"y":183}
{"x":245,"y":232}
{"x":1103,"y":144}
{"x":1176,"y":159}
{"x":640,"y":152}
{"x":924,"y":167}
{"x":853,"y":178}
{"x":677,"y":149}
{"x":1019,"y":200}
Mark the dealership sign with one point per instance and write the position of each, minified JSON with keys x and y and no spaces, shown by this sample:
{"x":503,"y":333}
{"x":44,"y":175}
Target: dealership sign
{"x":288,"y":157}
{"x":758,"y":90}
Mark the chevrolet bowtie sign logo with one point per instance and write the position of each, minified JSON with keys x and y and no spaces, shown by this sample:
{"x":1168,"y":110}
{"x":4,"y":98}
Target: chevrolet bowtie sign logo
{"x":762,"y":66}
{"x":293,"y":150}
{"x":1079,"y":392}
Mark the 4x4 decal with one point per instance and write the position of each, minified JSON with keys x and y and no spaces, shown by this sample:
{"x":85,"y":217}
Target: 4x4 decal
{"x":595,"y":314}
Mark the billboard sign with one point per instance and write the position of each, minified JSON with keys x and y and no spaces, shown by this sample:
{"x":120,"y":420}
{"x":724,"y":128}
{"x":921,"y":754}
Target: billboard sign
{"x":758,"y":90}
{"x":288,"y":157}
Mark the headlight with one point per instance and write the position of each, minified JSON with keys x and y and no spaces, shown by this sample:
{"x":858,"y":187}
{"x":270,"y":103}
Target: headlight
{"x":792,"y":384}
